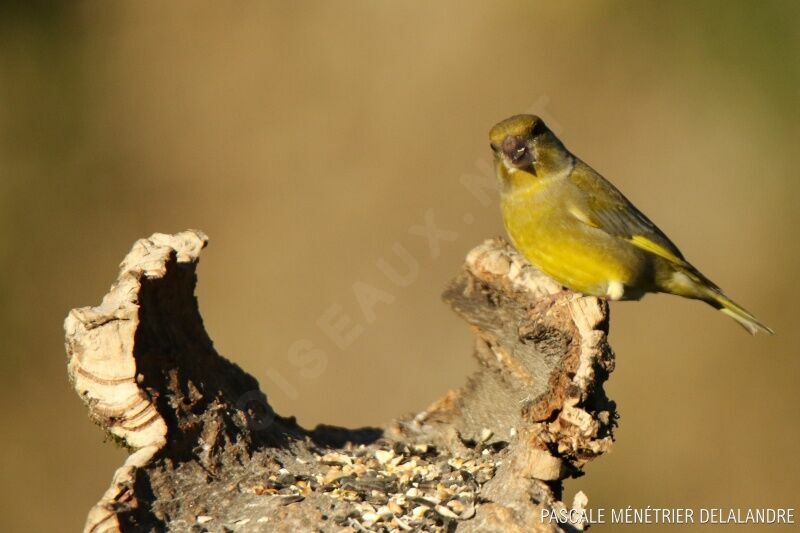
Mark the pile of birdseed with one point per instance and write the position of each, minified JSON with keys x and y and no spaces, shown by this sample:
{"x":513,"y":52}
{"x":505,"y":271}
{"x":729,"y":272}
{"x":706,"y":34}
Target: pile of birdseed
{"x":395,"y":487}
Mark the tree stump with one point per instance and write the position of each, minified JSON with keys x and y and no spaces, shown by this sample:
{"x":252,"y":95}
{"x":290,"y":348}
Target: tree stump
{"x":208,"y":453}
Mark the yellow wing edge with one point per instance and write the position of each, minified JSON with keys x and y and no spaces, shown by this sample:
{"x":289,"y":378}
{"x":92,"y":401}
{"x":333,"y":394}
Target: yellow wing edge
{"x":646,"y":244}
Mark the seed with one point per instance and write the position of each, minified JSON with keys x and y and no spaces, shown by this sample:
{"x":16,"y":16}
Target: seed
{"x":445,"y":512}
{"x":384,"y":456}
{"x":335,"y":459}
{"x":419,"y":512}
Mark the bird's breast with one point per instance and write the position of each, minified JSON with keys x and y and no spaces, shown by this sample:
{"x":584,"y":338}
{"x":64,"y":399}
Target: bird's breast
{"x":579,"y":256}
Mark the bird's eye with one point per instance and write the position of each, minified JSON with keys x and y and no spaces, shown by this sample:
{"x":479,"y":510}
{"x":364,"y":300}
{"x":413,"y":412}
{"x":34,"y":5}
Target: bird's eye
{"x":519,"y":153}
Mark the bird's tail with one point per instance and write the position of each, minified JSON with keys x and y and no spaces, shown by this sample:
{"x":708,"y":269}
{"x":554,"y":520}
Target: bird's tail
{"x":713,"y":295}
{"x":741,"y":315}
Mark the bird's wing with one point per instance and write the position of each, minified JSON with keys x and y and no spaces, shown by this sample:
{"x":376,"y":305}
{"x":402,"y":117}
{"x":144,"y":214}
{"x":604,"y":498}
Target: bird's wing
{"x":605,"y":208}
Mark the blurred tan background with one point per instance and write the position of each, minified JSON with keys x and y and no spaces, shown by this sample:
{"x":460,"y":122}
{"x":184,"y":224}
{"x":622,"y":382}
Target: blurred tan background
{"x":308,"y":138}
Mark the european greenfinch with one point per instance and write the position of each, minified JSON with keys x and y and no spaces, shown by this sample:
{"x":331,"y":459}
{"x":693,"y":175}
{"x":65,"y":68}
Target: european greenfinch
{"x":576,"y":227}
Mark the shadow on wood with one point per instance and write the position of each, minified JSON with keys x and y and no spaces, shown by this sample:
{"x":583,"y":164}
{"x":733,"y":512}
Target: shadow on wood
{"x":210,"y":454}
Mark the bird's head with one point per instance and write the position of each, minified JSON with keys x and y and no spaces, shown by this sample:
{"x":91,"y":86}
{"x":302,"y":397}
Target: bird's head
{"x":524,"y":143}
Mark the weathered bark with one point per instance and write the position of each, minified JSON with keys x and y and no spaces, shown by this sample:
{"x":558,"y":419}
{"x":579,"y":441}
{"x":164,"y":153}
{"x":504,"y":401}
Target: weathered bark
{"x":209,"y":454}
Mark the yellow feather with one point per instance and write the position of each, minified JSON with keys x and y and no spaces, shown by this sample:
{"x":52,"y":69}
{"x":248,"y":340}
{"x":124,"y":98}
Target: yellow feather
{"x":646,"y":244}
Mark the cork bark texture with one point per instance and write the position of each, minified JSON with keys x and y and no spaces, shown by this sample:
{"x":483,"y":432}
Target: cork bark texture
{"x":208,"y":453}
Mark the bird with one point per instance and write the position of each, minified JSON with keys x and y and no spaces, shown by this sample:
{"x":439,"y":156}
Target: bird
{"x":575,"y":226}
